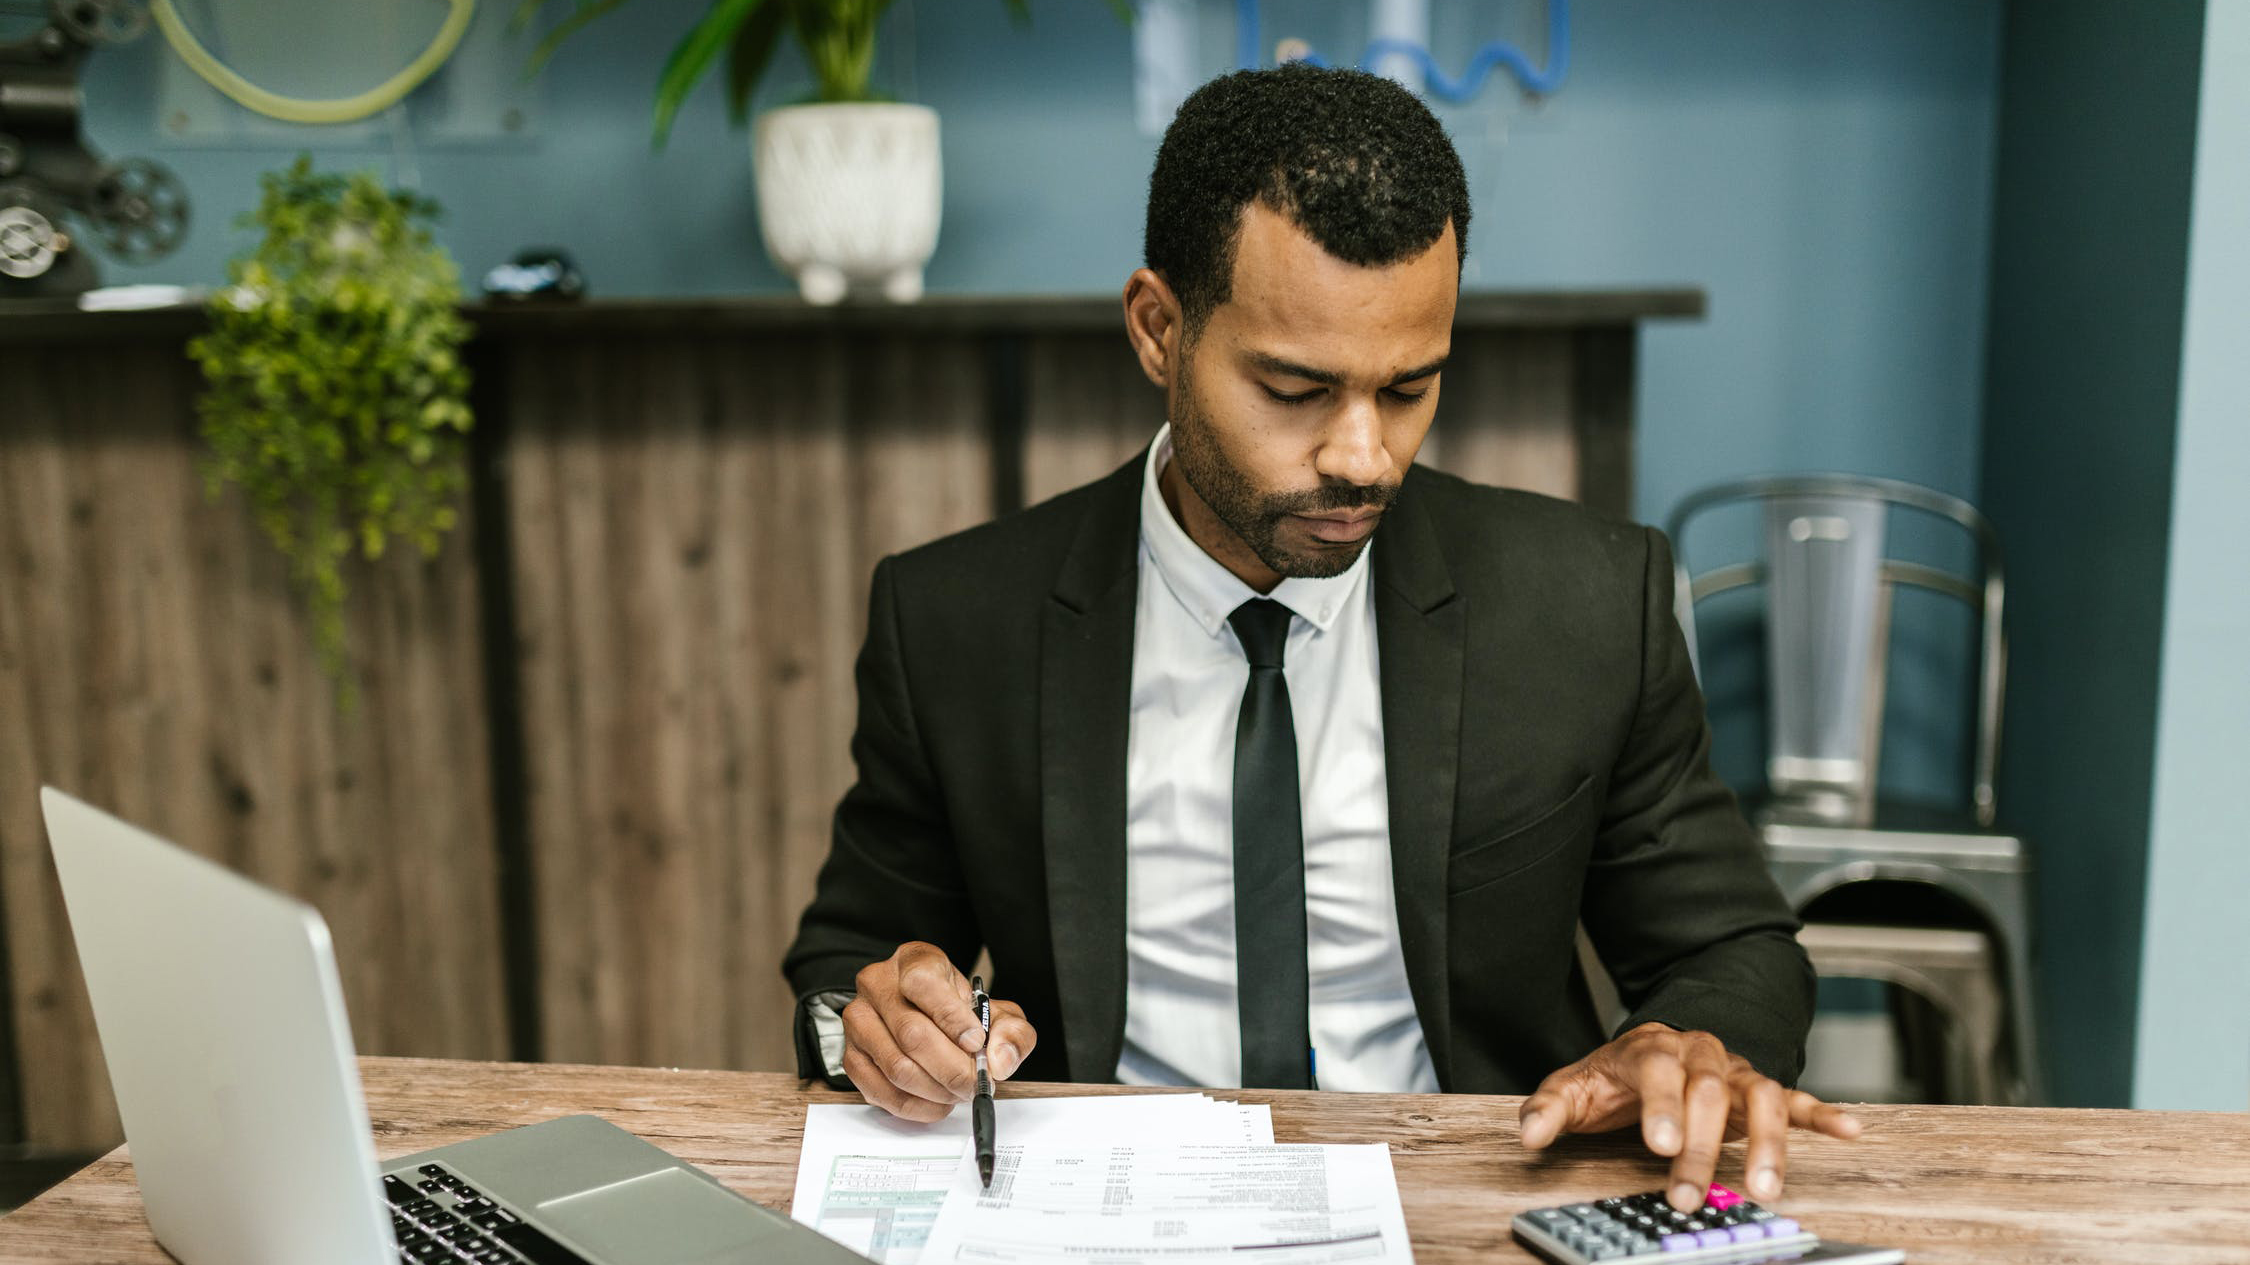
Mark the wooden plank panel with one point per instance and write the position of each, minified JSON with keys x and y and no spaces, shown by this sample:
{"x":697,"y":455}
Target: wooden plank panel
{"x":1088,"y":408}
{"x":1605,"y":417}
{"x":1505,"y":413}
{"x":153,"y":661}
{"x":694,"y":523}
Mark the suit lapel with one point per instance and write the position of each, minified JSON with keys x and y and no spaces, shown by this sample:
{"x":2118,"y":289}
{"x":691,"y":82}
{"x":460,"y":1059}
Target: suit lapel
{"x":1085,"y":701}
{"x":1419,"y":630}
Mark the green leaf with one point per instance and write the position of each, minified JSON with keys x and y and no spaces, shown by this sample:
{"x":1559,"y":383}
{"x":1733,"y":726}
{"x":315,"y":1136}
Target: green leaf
{"x":587,"y":11}
{"x":335,"y":396}
{"x":838,"y":37}
{"x":693,"y":56}
{"x":750,"y":54}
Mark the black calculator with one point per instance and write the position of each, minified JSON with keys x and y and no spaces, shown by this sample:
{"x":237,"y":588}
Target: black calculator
{"x":1648,"y":1230}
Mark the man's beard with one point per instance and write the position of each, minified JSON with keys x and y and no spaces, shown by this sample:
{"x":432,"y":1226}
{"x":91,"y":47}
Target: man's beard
{"x":1256,"y":517}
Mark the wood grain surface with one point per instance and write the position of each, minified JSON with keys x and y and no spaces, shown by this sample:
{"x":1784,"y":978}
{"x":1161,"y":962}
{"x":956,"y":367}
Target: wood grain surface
{"x":693,"y":523}
{"x":1506,"y":415}
{"x":1087,"y":409}
{"x":154,"y":662}
{"x":1951,"y":1185}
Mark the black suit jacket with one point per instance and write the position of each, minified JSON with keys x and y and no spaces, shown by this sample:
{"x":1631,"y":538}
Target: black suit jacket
{"x":1546,"y":753}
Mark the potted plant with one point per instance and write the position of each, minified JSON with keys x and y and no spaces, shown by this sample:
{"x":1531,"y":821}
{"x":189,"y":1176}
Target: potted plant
{"x":336,"y":398}
{"x":848,"y":183}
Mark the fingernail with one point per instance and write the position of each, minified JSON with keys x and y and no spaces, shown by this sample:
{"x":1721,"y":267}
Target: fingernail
{"x":1686,"y":1197}
{"x":1530,"y":1122}
{"x":972,"y":1039}
{"x":1664,"y":1135}
{"x":1764,"y":1183}
{"x":1003,"y":1060}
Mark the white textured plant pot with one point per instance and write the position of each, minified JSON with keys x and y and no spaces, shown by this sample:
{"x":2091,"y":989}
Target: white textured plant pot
{"x":848,"y":196}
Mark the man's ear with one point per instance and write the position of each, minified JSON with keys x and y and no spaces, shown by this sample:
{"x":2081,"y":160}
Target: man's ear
{"x":1153,"y":324}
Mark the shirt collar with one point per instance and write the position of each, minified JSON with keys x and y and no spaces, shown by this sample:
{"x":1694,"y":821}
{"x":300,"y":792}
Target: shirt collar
{"x":1204,"y":586}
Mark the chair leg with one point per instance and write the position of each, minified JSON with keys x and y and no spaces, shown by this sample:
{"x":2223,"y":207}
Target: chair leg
{"x":1921,"y":1027}
{"x":1982,"y":1031}
{"x":2027,"y":1082}
{"x":1947,"y":1003}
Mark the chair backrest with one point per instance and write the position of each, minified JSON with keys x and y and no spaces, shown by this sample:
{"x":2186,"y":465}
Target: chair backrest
{"x":1829,"y":580}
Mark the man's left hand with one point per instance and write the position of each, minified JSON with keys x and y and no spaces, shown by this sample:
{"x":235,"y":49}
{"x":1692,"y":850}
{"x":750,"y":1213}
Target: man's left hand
{"x":1690,"y":1096}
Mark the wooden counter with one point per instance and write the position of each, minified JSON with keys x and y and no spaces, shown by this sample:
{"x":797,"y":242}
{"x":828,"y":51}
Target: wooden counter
{"x":1950,"y":1185}
{"x":601,"y":735}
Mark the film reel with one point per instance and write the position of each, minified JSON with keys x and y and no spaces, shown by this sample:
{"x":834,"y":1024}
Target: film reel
{"x":101,"y":21}
{"x":30,"y":240}
{"x":139,"y":209}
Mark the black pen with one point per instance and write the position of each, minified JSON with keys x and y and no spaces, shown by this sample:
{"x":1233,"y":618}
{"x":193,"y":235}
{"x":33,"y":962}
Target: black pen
{"x":980,"y":1111}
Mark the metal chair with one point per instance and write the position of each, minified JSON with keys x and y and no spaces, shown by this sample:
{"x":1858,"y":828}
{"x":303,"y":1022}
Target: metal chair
{"x":1953,"y":970}
{"x":1829,"y":582}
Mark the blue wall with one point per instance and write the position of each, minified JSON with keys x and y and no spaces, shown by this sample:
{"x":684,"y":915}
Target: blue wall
{"x":2088,"y":282}
{"x":2194,"y":1031}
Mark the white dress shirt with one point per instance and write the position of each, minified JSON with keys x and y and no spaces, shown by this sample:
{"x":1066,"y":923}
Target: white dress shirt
{"x":1181,"y":1022}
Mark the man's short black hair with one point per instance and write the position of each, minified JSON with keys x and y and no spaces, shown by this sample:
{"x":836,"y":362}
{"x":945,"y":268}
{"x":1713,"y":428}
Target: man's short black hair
{"x":1354,"y":159}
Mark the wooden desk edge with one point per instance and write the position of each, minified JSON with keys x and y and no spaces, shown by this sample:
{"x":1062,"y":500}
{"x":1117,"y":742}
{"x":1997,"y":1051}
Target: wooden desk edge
{"x":1985,"y":1184}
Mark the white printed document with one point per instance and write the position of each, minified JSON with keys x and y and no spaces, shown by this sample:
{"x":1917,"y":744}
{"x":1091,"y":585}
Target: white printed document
{"x":1126,"y":1204}
{"x":875,"y":1183}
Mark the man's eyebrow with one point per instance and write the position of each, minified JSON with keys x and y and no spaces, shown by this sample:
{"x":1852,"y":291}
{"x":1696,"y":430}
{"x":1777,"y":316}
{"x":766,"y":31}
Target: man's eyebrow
{"x":1290,"y":369}
{"x":1329,"y":377}
{"x":1429,"y":370}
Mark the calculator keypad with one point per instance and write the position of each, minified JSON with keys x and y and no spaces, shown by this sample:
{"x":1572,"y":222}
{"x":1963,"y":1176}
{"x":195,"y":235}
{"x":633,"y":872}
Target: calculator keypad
{"x":1647,"y":1226}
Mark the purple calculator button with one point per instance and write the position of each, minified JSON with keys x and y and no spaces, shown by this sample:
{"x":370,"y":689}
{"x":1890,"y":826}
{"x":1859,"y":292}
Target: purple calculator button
{"x":1745,"y":1233}
{"x":1678,"y":1243}
{"x":1782,"y":1228}
{"x":1714,"y":1238}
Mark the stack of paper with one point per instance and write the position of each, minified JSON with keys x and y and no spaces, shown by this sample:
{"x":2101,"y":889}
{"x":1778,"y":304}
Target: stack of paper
{"x":1298,"y":1205}
{"x":875,"y":1183}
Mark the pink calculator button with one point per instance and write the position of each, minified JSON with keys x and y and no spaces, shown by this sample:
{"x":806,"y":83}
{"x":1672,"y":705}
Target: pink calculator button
{"x":1721,"y":1198}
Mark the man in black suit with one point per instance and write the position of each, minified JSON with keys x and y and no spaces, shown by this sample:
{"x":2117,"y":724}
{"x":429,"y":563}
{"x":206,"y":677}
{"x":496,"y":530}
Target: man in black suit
{"x":1232,"y":797}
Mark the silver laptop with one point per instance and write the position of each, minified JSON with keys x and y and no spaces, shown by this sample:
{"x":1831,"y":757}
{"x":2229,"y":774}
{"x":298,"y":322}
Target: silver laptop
{"x":223,"y":1023}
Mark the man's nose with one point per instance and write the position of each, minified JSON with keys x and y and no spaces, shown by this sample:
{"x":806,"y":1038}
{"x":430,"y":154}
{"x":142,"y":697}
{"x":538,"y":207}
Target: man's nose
{"x":1352,"y":451}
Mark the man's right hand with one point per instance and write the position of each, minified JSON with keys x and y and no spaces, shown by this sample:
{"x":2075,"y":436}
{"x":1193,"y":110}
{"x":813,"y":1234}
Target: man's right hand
{"x":911,"y":1036}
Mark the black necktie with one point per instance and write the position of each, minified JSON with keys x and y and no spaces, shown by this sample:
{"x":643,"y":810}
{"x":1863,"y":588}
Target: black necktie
{"x":1269,"y":864}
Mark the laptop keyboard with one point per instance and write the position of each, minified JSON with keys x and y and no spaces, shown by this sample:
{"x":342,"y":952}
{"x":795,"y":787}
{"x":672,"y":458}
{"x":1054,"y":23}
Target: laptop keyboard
{"x":442,"y":1220}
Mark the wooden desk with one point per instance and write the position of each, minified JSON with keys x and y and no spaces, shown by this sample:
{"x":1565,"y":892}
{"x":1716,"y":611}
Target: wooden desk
{"x":1987,"y":1185}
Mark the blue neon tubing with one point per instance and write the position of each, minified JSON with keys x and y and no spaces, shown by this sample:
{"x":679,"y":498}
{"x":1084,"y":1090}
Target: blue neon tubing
{"x":1248,"y":55}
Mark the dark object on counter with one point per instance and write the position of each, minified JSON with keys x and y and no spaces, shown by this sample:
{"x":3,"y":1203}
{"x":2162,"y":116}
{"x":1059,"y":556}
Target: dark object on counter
{"x":541,"y":273}
{"x":136,"y":208}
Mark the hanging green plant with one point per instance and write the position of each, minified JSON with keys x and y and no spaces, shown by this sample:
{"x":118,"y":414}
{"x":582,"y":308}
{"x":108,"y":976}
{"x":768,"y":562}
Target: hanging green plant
{"x":336,"y":396}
